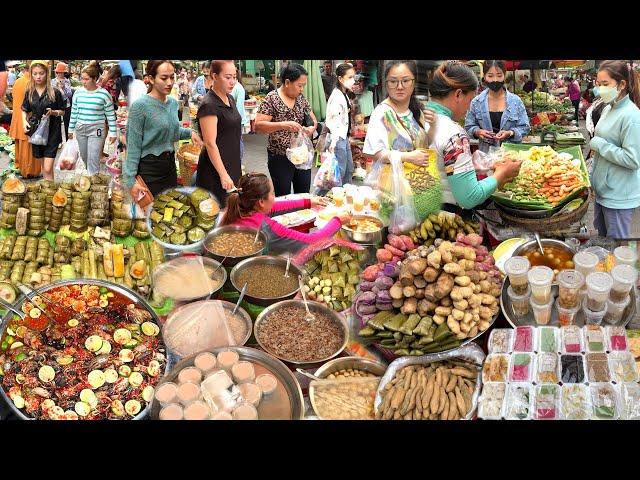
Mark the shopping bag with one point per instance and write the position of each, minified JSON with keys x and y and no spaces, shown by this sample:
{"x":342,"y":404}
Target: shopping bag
{"x":68,"y":155}
{"x":404,"y":216}
{"x":328,"y":175}
{"x":41,"y":135}
{"x":301,"y":151}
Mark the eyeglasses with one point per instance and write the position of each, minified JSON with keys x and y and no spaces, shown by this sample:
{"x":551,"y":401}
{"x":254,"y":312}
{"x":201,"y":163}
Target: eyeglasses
{"x":405,"y":82}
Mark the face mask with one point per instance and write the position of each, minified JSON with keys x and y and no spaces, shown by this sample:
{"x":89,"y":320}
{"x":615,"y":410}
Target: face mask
{"x":608,"y":94}
{"x":495,"y":86}
{"x":596,"y":91}
{"x":348,"y":84}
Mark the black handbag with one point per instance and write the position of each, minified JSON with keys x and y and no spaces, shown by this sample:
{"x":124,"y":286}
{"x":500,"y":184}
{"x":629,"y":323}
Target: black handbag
{"x":33,"y":125}
{"x":308,"y":120}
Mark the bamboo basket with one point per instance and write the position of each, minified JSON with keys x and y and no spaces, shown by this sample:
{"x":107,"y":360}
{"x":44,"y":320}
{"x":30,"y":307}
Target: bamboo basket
{"x":187,"y":166}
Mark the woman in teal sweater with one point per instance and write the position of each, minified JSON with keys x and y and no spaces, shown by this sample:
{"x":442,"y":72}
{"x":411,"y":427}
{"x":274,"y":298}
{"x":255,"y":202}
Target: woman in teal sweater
{"x":616,"y":143}
{"x":152,"y":129}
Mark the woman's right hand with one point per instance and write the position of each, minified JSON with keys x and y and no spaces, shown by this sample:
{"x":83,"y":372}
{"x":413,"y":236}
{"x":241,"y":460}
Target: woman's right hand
{"x":26,"y":128}
{"x":506,"y":171}
{"x":226,"y":182}
{"x":417,"y":157}
{"x":485,"y":134}
{"x":345,"y":218}
{"x":291,"y":126}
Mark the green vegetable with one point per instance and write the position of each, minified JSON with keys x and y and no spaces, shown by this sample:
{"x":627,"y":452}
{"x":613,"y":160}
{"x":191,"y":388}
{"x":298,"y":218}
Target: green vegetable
{"x":5,"y":345}
{"x":21,"y":356}
{"x":103,"y":290}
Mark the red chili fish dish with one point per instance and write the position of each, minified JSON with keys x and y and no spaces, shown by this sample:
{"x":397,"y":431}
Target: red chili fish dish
{"x":87,"y":353}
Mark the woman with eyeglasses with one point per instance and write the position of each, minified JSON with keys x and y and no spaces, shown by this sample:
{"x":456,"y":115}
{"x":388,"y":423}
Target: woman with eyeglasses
{"x":496,"y":115}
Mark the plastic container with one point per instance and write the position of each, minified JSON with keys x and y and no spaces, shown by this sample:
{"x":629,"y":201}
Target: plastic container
{"x":623,"y":367}
{"x":197,"y":410}
{"x":572,"y":368}
{"x":566,"y":316}
{"x":548,"y":339}
{"x":546,"y":402}
{"x":615,"y":311}
{"x":616,"y":339}
{"x":245,"y":411}
{"x":591,"y":317}
{"x":598,"y":287}
{"x":594,"y":339}
{"x":519,"y":303}
{"x":206,"y":362}
{"x":188,"y":392}
{"x":571,"y":339}
{"x":500,"y":340}
{"x":541,"y":313}
{"x":190,"y":375}
{"x":167,"y":393}
{"x":495,"y":368}
{"x":524,"y":340}
{"x":521,"y":367}
{"x":338,"y":196}
{"x":171,"y":411}
{"x":243,"y":372}
{"x":624,"y":278}
{"x":629,"y":396}
{"x":585,"y":262}
{"x":625,"y":256}
{"x":267,"y":383}
{"x":575,"y":402}
{"x":547,"y":368}
{"x":597,"y":367}
{"x":540,"y":279}
{"x":570,"y":283}
{"x":604,"y":400}
{"x":492,"y":400}
{"x":227,"y":359}
{"x":517,"y":403}
{"x":516,"y":268}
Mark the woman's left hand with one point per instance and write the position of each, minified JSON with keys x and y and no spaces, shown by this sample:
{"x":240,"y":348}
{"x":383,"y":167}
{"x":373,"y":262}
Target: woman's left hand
{"x":504,"y":134}
{"x":309,"y":130}
{"x":195,"y":138}
{"x":319,"y":202}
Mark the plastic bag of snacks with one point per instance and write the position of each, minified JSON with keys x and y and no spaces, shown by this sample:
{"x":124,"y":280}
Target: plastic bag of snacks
{"x":301,"y":152}
{"x":404,"y":216}
{"x":328,"y":175}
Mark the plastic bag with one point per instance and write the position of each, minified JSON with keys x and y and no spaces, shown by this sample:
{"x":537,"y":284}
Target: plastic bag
{"x":328,"y":175}
{"x":373,"y":177}
{"x":68,"y":156}
{"x":404,"y":216}
{"x":301,"y":152}
{"x":41,"y":135}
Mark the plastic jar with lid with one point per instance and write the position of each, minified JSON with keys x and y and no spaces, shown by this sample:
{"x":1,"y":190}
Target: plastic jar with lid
{"x":520,"y":303}
{"x":516,"y":268}
{"x":615,"y":311}
{"x":540,"y":279}
{"x":591,"y":317}
{"x":542,"y":313}
{"x":570,"y":283}
{"x":624,"y":278}
{"x":566,"y":316}
{"x":585,"y":262}
{"x":625,"y":256}
{"x":598,"y":287}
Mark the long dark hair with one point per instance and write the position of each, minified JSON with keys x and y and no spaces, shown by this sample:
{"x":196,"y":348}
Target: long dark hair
{"x":341,"y":71}
{"x":252,"y":188}
{"x":451,"y":76}
{"x":152,"y":69}
{"x":414,"y":104}
{"x":621,"y":70}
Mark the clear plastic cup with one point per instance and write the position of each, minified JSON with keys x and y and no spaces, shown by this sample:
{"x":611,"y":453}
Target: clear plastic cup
{"x":615,"y":311}
{"x":366,"y":192}
{"x":540,"y":279}
{"x":591,"y":317}
{"x":570,"y":283}
{"x":541,"y":313}
{"x":172,"y":411}
{"x":520,"y":303}
{"x":566,"y":316}
{"x":625,"y":256}
{"x":624,"y":278}
{"x":516,"y":268}
{"x":338,"y":196}
{"x":358,"y":201}
{"x":585,"y":262}
{"x":167,"y":393}
{"x":598,"y":287}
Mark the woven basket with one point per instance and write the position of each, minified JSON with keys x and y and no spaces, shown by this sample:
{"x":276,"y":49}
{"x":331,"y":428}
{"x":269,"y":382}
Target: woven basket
{"x":187,"y":166}
{"x":554,"y":222}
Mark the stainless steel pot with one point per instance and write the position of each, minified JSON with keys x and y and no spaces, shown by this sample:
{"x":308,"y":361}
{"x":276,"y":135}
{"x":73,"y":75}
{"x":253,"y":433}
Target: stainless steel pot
{"x":364,"y":237}
{"x":233,"y":259}
{"x":345,"y":363}
{"x":532,"y":245}
{"x":165,"y":269}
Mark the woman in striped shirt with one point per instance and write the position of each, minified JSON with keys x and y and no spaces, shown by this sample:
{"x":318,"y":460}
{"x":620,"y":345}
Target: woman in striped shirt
{"x":91,"y":110}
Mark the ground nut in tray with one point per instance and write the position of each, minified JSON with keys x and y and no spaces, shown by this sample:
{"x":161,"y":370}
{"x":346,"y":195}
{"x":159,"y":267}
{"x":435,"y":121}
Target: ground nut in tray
{"x":471,"y":353}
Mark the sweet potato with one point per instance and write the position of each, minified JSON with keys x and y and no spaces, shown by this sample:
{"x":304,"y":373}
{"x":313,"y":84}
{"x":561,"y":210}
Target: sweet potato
{"x":406,"y":278}
{"x":394,"y":251}
{"x":384,"y":255}
{"x":434,"y":259}
{"x":396,"y":291}
{"x":396,"y":242}
{"x":408,"y":243}
{"x":419,"y":282}
{"x":370,"y":273}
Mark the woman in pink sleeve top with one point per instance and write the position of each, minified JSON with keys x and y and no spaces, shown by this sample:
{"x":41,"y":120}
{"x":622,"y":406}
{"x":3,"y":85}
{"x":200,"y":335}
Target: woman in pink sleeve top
{"x":253,"y":204}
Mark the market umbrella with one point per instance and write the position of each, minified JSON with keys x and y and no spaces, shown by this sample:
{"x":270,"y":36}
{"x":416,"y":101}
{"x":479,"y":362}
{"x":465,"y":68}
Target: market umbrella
{"x":314,"y":91}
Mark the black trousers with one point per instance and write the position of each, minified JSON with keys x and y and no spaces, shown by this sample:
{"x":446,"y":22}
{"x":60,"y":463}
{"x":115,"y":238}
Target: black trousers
{"x":576,"y":105}
{"x":284,"y":173}
{"x":67,"y":119}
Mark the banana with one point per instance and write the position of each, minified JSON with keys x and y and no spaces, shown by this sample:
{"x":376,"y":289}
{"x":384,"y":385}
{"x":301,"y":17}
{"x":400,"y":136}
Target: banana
{"x":427,"y":223}
{"x":423,"y":231}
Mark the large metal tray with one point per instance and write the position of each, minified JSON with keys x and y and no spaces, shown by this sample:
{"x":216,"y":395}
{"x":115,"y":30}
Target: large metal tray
{"x":472,"y":353}
{"x":507,"y":309}
{"x":133,"y":296}
{"x":286,"y":403}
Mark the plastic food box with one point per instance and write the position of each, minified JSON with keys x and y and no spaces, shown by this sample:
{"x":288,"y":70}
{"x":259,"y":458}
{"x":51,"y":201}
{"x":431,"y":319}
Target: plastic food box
{"x":571,"y":339}
{"x":521,"y":367}
{"x":595,"y":339}
{"x":605,"y":402}
{"x":547,"y":368}
{"x":548,"y":339}
{"x":616,"y":339}
{"x":500,"y":340}
{"x":492,"y":400}
{"x":546,"y":402}
{"x":518,"y":401}
{"x":496,"y":368}
{"x":575,"y":402}
{"x":622,"y":367}
{"x":629,"y":401}
{"x":597,"y":365}
{"x":524,"y":339}
{"x":572,"y":368}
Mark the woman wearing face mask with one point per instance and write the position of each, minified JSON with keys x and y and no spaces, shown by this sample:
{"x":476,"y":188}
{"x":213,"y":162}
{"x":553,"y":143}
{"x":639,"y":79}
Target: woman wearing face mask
{"x":452,"y":89}
{"x":281,"y":115}
{"x":339,"y":119}
{"x":496,"y":115}
{"x":152,"y":130}
{"x":219,"y":167}
{"x":42,"y":100}
{"x":616,"y":143}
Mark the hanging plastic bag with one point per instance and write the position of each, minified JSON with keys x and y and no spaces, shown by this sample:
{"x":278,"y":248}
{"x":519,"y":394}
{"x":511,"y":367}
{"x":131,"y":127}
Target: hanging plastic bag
{"x":328,"y":175}
{"x":41,"y":135}
{"x":404,"y":216}
{"x":301,"y":152}
{"x":68,"y":156}
{"x":376,"y":174}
